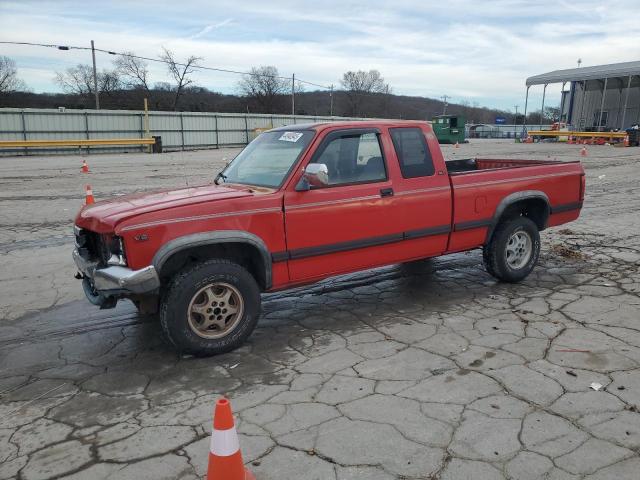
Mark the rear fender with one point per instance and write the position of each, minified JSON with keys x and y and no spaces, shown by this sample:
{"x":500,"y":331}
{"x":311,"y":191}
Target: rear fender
{"x":514,"y":198}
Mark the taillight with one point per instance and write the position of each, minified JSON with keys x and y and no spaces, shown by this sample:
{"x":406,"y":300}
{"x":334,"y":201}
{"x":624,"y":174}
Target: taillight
{"x":583,"y":185}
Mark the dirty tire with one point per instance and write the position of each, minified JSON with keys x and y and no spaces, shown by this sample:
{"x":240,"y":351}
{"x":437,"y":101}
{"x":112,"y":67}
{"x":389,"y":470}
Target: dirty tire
{"x":485,"y":259}
{"x":176,"y":300}
{"x":495,"y":252}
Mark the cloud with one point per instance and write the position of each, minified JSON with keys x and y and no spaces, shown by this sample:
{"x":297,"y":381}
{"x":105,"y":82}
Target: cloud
{"x":211,"y":27}
{"x":476,"y":51}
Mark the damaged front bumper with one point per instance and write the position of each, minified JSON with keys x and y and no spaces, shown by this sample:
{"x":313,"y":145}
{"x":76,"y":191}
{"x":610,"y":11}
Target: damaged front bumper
{"x":116,"y":281}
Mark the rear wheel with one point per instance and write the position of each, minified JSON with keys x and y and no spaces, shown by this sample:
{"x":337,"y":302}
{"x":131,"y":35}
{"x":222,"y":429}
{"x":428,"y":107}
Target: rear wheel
{"x":513,"y":250}
{"x":485,"y":259}
{"x":210,"y":308}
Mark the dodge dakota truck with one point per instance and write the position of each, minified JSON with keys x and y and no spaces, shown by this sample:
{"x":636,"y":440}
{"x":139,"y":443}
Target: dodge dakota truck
{"x":305,"y":202}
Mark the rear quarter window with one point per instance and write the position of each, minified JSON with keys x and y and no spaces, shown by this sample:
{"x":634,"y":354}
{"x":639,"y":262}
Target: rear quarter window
{"x":412,"y":152}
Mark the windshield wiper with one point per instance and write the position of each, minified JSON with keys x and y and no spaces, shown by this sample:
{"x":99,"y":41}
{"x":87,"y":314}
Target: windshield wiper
{"x":220,"y":176}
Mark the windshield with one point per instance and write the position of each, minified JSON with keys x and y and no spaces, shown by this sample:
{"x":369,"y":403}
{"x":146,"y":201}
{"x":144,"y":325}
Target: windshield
{"x":268,"y":159}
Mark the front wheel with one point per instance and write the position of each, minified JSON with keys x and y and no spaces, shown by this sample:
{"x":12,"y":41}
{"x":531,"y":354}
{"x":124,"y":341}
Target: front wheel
{"x":210,"y":308}
{"x":513,"y":250}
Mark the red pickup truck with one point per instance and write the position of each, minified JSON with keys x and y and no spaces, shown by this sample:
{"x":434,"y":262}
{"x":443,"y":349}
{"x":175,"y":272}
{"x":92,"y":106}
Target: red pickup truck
{"x":305,"y":202}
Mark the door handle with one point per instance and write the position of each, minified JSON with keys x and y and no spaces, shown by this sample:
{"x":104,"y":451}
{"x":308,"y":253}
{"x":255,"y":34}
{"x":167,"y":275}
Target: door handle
{"x":386,"y":192}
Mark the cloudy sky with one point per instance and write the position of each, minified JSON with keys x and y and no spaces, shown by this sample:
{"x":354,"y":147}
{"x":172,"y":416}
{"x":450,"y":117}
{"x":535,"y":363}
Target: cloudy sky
{"x":473,"y":50}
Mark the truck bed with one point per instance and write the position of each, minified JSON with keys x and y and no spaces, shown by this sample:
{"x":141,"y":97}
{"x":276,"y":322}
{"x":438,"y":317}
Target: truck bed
{"x":480,"y":185}
{"x":467,"y":165}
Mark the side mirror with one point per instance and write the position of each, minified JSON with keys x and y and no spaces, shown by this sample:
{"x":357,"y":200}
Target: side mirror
{"x":315,"y":175}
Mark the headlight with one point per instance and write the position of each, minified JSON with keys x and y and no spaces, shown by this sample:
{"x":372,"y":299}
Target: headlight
{"x":80,"y":237}
{"x":116,"y":249}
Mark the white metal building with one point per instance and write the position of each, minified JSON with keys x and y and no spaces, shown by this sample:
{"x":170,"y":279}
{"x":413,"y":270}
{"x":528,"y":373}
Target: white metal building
{"x":601,"y":97}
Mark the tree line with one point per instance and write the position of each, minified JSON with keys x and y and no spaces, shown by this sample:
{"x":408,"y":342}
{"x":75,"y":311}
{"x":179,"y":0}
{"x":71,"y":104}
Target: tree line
{"x":262,"y":90}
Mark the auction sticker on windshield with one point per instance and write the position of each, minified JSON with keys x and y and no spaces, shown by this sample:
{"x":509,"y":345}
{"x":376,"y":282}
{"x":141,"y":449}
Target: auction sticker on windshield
{"x":291,"y":136}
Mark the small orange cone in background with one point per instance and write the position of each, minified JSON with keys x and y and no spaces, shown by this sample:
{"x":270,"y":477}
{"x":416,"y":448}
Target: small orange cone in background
{"x":225,"y":458}
{"x":583,"y":152}
{"x":625,"y":142}
{"x":89,"y":200}
{"x":456,"y":145}
{"x":85,"y":167}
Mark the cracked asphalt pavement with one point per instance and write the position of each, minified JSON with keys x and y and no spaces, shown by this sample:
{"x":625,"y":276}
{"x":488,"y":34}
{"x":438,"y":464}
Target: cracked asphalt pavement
{"x":431,"y":370}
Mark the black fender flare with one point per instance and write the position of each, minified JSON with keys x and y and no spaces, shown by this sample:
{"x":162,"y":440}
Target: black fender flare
{"x":213,"y":238}
{"x":516,"y":197}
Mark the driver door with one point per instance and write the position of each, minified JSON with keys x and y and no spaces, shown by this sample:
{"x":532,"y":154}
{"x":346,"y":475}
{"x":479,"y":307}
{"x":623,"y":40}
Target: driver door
{"x":344,"y":225}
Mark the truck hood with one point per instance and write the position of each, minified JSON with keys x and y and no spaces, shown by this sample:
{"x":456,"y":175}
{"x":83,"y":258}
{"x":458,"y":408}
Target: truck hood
{"x":103,"y":216}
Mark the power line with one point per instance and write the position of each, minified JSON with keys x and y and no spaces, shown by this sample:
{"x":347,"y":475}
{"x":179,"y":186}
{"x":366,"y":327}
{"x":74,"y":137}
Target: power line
{"x":159,"y":60}
{"x":59,"y":47}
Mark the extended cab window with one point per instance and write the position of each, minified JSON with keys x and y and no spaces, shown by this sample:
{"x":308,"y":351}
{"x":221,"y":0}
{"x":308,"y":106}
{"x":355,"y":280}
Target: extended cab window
{"x":267,"y":160}
{"x":353,"y":158}
{"x":412,"y":151}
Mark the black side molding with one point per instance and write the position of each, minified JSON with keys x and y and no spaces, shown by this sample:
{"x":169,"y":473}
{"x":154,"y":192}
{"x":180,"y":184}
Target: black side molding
{"x":485,"y":222}
{"x":342,"y":246}
{"x":279,"y":256}
{"x":427,"y":232}
{"x":360,"y":243}
{"x":566,"y":207}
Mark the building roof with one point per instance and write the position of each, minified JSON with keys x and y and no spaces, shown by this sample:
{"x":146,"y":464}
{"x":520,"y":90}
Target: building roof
{"x":596,"y":72}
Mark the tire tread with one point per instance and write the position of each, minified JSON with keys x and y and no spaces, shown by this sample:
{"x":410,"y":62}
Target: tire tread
{"x":178,"y":283}
{"x":492,"y":254}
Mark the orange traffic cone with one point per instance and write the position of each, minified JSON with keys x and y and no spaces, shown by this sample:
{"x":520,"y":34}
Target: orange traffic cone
{"x":89,"y":200}
{"x":456,"y":145}
{"x":85,"y":167}
{"x":625,"y":142}
{"x":583,"y":152}
{"x":225,"y":458}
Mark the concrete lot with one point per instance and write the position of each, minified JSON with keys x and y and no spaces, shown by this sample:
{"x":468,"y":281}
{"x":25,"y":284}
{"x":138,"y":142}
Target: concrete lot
{"x":422,"y":371}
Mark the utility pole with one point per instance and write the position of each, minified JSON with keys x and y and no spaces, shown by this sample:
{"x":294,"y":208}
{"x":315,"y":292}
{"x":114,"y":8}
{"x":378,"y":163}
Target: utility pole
{"x":386,"y":100}
{"x":444,"y":100}
{"x":515,"y":121}
{"x":293,"y":94}
{"x":331,"y":101}
{"x":95,"y":75}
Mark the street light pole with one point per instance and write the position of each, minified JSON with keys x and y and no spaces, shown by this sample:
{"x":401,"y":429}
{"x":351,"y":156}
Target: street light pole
{"x":293,"y":94}
{"x":331,"y":101}
{"x":95,"y":76}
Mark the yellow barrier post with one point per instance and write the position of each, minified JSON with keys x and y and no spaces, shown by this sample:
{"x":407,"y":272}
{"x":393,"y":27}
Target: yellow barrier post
{"x":146,"y":122}
{"x":75,"y":143}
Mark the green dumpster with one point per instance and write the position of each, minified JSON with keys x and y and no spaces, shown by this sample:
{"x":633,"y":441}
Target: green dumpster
{"x":449,"y":128}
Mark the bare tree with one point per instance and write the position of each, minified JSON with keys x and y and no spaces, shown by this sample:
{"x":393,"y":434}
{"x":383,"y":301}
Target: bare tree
{"x":358,"y":85}
{"x":133,"y":71}
{"x":9,"y":81}
{"x":552,"y":113}
{"x":264,"y":86}
{"x":109,"y":81}
{"x":180,"y":72}
{"x":79,"y":80}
